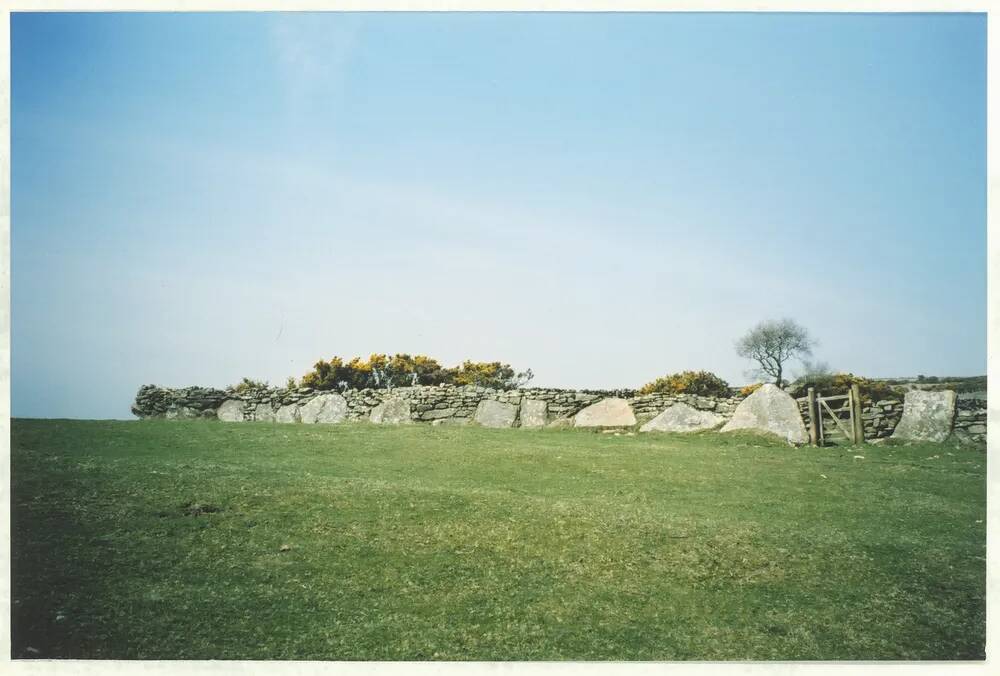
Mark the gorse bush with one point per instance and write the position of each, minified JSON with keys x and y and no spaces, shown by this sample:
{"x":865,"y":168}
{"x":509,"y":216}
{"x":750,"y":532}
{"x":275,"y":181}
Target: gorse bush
{"x":702,"y":383}
{"x":381,"y":371}
{"x":248,"y":385}
{"x":490,"y":374}
{"x":747,"y":390}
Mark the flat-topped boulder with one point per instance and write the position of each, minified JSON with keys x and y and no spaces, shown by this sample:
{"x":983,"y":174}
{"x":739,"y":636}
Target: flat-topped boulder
{"x":770,"y":410}
{"x":392,"y":411}
{"x":491,"y":413}
{"x":533,"y":412}
{"x":927,"y":416}
{"x":610,"y":412}
{"x":683,"y":418}
{"x":324,"y":408}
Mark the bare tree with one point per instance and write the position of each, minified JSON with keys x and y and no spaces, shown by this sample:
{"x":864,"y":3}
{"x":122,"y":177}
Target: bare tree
{"x":772,"y":343}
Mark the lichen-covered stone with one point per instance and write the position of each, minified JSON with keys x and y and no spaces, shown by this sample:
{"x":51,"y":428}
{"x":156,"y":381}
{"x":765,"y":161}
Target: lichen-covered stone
{"x":683,"y":418}
{"x":392,"y":411}
{"x":927,"y":416}
{"x":231,"y":410}
{"x":771,"y":410}
{"x":264,"y":413}
{"x":288,"y":413}
{"x":533,"y":412}
{"x":175,"y":412}
{"x":610,"y":412}
{"x":329,"y":407}
{"x":492,"y":413}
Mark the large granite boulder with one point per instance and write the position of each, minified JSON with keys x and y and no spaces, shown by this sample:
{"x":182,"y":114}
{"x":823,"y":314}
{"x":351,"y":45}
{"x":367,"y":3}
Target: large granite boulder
{"x":289,"y":413}
{"x":175,"y":412}
{"x":533,"y":412}
{"x":683,"y":418}
{"x":927,"y":416}
{"x":610,"y":412}
{"x":772,"y":410}
{"x":392,"y":411}
{"x":491,"y":413}
{"x":324,"y":408}
{"x":264,"y":412}
{"x":231,"y":410}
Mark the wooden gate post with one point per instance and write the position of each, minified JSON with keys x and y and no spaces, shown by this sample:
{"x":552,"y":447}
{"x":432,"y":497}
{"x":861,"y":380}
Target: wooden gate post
{"x":811,"y":403}
{"x":859,"y":426}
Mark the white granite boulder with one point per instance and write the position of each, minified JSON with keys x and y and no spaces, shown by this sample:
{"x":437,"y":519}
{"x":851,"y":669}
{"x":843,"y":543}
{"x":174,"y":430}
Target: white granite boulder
{"x":231,"y":410}
{"x":289,"y":413}
{"x":392,"y":411}
{"x":491,"y":413}
{"x":771,"y":410}
{"x":533,"y":412}
{"x":927,"y":416}
{"x":683,"y":418}
{"x":264,"y":412}
{"x":324,"y":408}
{"x":610,"y":412}
{"x":181,"y":413}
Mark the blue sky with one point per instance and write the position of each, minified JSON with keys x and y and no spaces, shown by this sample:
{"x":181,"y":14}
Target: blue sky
{"x":604,"y":198}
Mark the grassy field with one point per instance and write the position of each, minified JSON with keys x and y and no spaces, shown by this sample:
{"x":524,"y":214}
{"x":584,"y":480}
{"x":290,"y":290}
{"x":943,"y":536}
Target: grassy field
{"x":204,"y":540}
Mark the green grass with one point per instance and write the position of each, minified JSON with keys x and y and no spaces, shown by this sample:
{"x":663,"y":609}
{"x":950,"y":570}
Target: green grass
{"x":356,"y":542}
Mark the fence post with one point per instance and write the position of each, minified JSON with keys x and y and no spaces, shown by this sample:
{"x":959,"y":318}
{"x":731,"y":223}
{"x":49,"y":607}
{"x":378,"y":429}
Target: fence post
{"x":811,"y":403}
{"x":859,"y":426}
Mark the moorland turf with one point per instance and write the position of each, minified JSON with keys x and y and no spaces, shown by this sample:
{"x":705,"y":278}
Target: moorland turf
{"x":205,"y":540}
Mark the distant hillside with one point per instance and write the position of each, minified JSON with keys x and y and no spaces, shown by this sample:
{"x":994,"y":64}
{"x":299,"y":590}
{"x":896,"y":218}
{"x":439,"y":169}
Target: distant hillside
{"x":961,"y":384}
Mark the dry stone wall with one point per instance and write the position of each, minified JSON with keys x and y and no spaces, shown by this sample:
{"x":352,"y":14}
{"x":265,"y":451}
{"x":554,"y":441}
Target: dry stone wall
{"x":442,"y":404}
{"x":188,"y":402}
{"x":881,"y":417}
{"x":970,"y":421}
{"x":458,"y":405}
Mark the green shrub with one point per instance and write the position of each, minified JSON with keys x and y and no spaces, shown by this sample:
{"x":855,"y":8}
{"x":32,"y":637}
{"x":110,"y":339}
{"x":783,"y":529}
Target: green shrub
{"x":702,"y":383}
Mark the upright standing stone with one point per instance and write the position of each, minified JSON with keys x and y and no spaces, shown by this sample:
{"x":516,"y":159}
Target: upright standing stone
{"x":492,"y":413}
{"x":231,"y":410}
{"x":324,"y":408}
{"x":772,"y":410}
{"x":392,"y":411}
{"x":610,"y":412}
{"x":533,"y":412}
{"x":683,"y":418}
{"x":264,"y":412}
{"x":289,"y":413}
{"x":927,"y":416}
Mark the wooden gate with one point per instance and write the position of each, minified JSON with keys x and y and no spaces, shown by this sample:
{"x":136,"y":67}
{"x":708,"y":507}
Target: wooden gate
{"x":835,"y":419}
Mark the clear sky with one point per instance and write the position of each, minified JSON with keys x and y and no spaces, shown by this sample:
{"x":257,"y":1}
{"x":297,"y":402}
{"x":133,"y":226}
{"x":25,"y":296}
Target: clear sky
{"x":602,"y":198}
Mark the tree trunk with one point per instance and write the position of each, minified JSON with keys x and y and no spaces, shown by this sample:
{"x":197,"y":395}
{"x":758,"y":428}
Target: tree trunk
{"x":778,"y":382}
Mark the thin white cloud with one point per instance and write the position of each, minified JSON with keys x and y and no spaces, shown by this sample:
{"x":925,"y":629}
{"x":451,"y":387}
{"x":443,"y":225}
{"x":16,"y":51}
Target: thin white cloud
{"x":313,"y":53}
